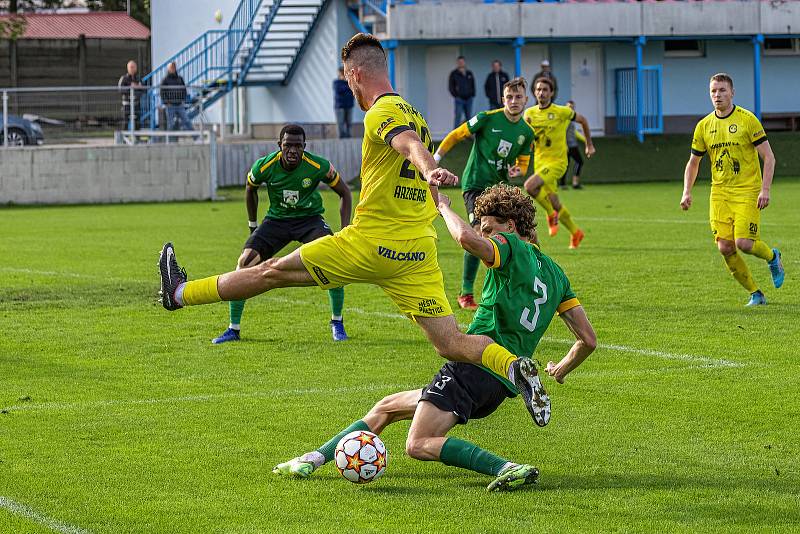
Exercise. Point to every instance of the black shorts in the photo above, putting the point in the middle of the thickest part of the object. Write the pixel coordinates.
(274, 234)
(466, 390)
(470, 196)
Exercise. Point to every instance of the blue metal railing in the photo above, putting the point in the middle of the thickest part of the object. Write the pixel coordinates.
(629, 113)
(258, 39)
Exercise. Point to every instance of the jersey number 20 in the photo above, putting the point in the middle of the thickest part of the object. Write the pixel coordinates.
(524, 320)
(425, 137)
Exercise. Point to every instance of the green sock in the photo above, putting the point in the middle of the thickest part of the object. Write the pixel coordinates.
(470, 272)
(336, 296)
(329, 448)
(237, 308)
(459, 453)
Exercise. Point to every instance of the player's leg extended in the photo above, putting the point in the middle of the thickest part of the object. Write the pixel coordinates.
(747, 222)
(565, 217)
(248, 258)
(390, 409)
(534, 185)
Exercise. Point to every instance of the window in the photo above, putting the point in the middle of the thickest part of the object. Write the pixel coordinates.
(684, 48)
(775, 46)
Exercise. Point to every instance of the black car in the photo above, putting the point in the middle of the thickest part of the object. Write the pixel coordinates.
(22, 131)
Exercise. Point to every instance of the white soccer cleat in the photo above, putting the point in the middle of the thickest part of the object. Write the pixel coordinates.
(294, 468)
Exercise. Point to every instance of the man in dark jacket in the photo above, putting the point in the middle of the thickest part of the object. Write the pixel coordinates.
(494, 85)
(173, 95)
(343, 104)
(126, 81)
(462, 87)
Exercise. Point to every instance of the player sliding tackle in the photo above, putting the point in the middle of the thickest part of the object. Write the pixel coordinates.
(734, 139)
(523, 291)
(391, 243)
(550, 161)
(501, 150)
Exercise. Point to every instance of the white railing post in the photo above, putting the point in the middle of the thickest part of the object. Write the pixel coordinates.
(5, 119)
(131, 111)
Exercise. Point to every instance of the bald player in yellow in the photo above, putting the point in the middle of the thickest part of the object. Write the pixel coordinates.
(734, 139)
(550, 157)
(391, 242)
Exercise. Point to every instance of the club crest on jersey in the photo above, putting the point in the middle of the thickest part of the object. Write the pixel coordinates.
(306, 182)
(290, 198)
(521, 140)
(504, 148)
(551, 115)
(732, 128)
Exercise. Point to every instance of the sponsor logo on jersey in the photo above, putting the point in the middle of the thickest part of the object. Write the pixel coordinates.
(430, 307)
(410, 193)
(320, 275)
(290, 198)
(400, 256)
(732, 128)
(306, 182)
(384, 124)
(504, 148)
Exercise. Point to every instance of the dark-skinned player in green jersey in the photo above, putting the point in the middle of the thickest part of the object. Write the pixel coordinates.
(291, 176)
(523, 291)
(501, 150)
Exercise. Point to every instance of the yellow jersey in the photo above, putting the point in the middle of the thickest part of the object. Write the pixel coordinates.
(550, 125)
(395, 201)
(730, 143)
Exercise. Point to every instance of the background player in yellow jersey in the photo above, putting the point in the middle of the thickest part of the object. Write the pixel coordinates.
(550, 161)
(734, 139)
(391, 242)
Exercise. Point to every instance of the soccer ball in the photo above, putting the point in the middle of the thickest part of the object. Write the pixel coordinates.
(361, 457)
(218, 15)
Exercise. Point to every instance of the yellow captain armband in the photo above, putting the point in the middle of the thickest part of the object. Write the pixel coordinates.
(568, 305)
(335, 180)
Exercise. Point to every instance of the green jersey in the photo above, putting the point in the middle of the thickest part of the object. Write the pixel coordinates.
(523, 291)
(292, 194)
(498, 143)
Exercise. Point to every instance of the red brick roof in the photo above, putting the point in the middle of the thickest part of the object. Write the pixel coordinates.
(95, 25)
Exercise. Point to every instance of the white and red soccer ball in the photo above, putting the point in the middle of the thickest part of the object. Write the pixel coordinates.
(361, 457)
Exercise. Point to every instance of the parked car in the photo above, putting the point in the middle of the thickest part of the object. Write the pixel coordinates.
(22, 131)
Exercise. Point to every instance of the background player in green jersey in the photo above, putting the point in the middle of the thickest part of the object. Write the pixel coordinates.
(291, 177)
(501, 150)
(524, 289)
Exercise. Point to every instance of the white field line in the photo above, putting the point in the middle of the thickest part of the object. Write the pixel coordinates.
(28, 513)
(692, 358)
(204, 398)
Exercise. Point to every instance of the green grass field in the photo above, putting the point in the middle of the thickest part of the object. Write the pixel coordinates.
(118, 416)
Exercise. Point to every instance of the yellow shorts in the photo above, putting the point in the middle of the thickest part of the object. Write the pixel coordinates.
(408, 271)
(551, 173)
(734, 220)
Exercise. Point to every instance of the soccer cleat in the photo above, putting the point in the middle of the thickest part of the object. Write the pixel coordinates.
(576, 238)
(514, 477)
(294, 468)
(577, 186)
(776, 268)
(757, 298)
(525, 376)
(552, 223)
(467, 302)
(337, 329)
(171, 277)
(230, 334)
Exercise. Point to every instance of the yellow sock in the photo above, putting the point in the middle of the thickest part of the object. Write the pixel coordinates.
(497, 358)
(543, 199)
(565, 218)
(761, 250)
(201, 291)
(741, 272)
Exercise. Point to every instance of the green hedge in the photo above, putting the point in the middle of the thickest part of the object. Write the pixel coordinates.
(659, 158)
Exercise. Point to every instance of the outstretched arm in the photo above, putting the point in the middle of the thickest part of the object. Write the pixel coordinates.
(464, 234)
(689, 176)
(586, 341)
(452, 139)
(587, 133)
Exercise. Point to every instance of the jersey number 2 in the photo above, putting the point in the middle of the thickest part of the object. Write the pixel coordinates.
(530, 324)
(405, 171)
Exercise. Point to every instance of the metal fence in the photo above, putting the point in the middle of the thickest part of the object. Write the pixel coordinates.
(91, 115)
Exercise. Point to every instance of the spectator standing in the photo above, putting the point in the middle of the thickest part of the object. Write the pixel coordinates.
(546, 72)
(494, 85)
(574, 136)
(343, 104)
(173, 95)
(462, 88)
(126, 81)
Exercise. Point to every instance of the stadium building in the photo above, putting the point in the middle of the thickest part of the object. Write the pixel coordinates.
(275, 61)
